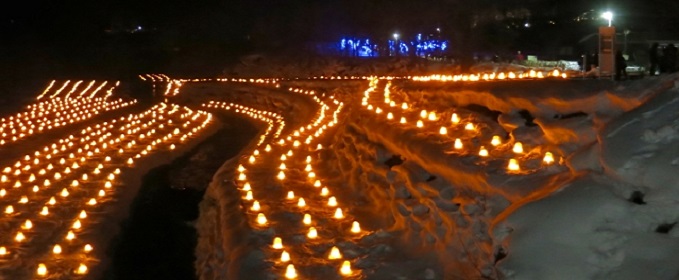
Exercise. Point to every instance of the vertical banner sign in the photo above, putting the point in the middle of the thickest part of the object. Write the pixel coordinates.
(607, 51)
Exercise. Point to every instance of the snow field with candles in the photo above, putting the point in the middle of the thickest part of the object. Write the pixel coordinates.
(411, 181)
(52, 196)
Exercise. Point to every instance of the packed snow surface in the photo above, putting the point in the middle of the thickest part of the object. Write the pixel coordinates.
(605, 208)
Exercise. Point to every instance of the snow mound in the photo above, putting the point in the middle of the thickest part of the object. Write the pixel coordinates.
(616, 218)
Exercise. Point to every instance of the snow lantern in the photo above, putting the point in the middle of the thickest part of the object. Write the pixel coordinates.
(518, 148)
(334, 254)
(277, 243)
(290, 272)
(548, 159)
(346, 268)
(513, 165)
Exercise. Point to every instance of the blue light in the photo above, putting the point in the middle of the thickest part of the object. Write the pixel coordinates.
(400, 45)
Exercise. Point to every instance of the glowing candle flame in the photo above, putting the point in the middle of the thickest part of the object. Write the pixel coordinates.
(443, 130)
(248, 195)
(355, 227)
(469, 126)
(513, 165)
(332, 201)
(44, 211)
(42, 270)
(82, 269)
(432, 116)
(27, 225)
(420, 123)
(277, 243)
(423, 114)
(281, 175)
(458, 144)
(334, 254)
(518, 148)
(20, 237)
(338, 214)
(312, 233)
(403, 120)
(290, 272)
(255, 206)
(88, 248)
(346, 268)
(56, 249)
(291, 195)
(317, 183)
(496, 141)
(3, 251)
(324, 191)
(307, 219)
(455, 119)
(548, 159)
(483, 152)
(301, 202)
(285, 256)
(261, 219)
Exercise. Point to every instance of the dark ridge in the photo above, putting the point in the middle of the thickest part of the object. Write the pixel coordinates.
(431, 178)
(394, 160)
(637, 197)
(500, 254)
(665, 228)
(570, 116)
(528, 117)
(483, 110)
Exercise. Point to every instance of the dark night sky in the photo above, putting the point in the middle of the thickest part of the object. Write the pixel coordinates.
(35, 31)
(299, 19)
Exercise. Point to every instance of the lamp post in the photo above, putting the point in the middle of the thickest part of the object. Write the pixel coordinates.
(608, 15)
(396, 45)
(626, 32)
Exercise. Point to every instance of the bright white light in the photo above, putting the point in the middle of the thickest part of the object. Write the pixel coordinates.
(395, 36)
(608, 15)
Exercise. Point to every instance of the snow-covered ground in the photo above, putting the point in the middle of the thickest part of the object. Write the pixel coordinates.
(605, 209)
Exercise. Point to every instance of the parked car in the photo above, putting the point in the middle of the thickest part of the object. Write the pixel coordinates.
(634, 70)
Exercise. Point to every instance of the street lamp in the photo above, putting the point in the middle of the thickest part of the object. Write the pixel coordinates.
(626, 32)
(608, 15)
(396, 45)
(396, 36)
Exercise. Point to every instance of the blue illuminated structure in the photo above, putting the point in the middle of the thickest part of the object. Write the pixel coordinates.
(418, 46)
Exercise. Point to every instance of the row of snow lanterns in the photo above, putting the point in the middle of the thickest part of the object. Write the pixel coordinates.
(455, 120)
(494, 76)
(52, 114)
(315, 129)
(154, 77)
(172, 88)
(88, 149)
(271, 118)
(85, 93)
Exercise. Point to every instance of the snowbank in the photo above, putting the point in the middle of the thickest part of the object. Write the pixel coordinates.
(606, 211)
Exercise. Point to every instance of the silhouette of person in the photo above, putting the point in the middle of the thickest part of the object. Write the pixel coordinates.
(670, 58)
(653, 59)
(620, 66)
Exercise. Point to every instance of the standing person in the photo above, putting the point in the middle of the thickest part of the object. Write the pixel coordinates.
(653, 59)
(620, 66)
(670, 56)
(519, 57)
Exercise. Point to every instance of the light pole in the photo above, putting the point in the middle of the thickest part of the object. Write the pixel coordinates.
(625, 45)
(396, 45)
(608, 15)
